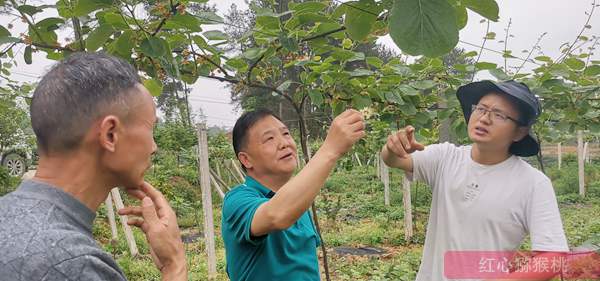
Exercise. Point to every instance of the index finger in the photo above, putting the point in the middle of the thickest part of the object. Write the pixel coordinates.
(159, 200)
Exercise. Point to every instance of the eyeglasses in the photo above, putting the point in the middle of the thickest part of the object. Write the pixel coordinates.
(480, 111)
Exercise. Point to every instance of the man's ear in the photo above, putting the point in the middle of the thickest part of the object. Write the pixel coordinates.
(521, 133)
(110, 129)
(245, 160)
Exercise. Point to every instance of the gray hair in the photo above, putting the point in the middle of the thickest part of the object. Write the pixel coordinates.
(74, 93)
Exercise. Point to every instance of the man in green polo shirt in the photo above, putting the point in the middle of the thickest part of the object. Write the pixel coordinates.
(268, 233)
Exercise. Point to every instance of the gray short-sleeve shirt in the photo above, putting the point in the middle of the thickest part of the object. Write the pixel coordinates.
(46, 234)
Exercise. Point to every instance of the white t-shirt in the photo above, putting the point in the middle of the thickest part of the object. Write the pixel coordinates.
(479, 207)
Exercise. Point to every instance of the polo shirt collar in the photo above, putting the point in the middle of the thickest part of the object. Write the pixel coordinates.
(251, 182)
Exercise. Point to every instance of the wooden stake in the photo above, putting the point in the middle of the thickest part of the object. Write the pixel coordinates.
(110, 212)
(209, 227)
(238, 170)
(217, 187)
(580, 163)
(559, 155)
(116, 196)
(385, 178)
(408, 220)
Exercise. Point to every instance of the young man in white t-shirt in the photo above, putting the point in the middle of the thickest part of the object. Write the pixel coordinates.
(485, 197)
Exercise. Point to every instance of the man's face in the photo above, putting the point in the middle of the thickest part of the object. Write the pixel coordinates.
(488, 127)
(136, 141)
(269, 149)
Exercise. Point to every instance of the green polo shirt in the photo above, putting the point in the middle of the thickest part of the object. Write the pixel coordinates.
(287, 255)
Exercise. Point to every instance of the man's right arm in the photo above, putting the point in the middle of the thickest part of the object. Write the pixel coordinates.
(396, 151)
(296, 196)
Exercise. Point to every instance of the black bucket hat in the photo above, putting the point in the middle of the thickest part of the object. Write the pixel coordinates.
(528, 104)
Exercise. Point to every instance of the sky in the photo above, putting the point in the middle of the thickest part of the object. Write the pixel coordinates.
(562, 20)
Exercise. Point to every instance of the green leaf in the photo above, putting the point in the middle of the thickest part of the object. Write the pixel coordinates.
(408, 109)
(423, 27)
(49, 24)
(27, 55)
(592, 70)
(338, 107)
(28, 9)
(47, 37)
(4, 32)
(116, 21)
(394, 97)
(267, 22)
(154, 47)
(408, 90)
(8, 39)
(185, 21)
(499, 74)
(307, 7)
(98, 37)
(461, 16)
(316, 97)
(361, 72)
(544, 59)
(252, 53)
(575, 64)
(284, 86)
(215, 35)
(206, 17)
(288, 43)
(486, 8)
(360, 17)
(238, 64)
(154, 86)
(423, 84)
(123, 44)
(360, 101)
(85, 7)
(485, 65)
(374, 61)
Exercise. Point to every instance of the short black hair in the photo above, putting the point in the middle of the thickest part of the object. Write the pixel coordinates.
(244, 124)
(74, 93)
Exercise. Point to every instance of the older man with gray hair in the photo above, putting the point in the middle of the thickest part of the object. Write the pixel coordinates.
(93, 121)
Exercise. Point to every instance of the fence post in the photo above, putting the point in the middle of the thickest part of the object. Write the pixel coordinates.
(204, 171)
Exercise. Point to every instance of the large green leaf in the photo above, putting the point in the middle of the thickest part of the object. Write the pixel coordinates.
(360, 17)
(208, 17)
(116, 21)
(575, 64)
(85, 7)
(423, 27)
(124, 44)
(423, 84)
(186, 21)
(215, 35)
(45, 36)
(154, 47)
(315, 97)
(461, 16)
(98, 37)
(28, 9)
(486, 8)
(49, 24)
(307, 7)
(592, 70)
(154, 86)
(499, 74)
(360, 101)
(4, 32)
